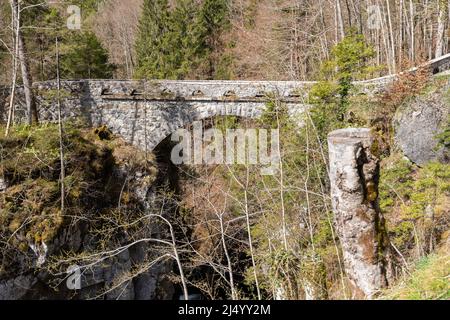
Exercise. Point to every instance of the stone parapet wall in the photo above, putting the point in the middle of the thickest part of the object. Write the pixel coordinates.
(144, 113)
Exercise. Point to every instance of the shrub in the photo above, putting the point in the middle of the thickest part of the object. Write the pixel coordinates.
(415, 201)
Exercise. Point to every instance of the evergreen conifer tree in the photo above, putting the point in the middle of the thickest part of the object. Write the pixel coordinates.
(174, 42)
(85, 58)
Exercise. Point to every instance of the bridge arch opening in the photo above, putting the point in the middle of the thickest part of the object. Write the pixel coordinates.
(171, 117)
(186, 181)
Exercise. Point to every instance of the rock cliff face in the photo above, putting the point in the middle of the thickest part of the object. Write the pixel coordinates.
(26, 263)
(147, 286)
(417, 124)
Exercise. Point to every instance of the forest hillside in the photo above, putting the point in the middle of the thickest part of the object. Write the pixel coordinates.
(356, 204)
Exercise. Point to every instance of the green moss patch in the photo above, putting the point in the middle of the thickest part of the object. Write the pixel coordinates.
(30, 207)
(415, 201)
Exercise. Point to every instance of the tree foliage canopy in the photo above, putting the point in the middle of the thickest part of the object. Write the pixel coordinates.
(84, 57)
(175, 40)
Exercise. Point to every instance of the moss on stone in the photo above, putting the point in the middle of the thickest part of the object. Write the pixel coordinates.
(414, 198)
(30, 212)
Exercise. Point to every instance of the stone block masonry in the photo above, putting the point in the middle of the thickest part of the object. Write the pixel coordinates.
(146, 112)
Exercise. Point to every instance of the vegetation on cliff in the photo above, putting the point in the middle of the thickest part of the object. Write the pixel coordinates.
(427, 280)
(99, 196)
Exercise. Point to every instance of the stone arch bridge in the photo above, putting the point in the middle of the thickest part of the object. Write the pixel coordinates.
(146, 112)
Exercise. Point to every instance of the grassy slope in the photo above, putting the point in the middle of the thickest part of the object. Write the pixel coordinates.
(429, 280)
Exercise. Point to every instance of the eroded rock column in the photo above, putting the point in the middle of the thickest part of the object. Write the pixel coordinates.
(354, 175)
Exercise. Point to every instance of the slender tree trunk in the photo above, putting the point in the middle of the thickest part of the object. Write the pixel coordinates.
(340, 19)
(250, 240)
(413, 42)
(349, 13)
(360, 18)
(227, 255)
(400, 33)
(32, 115)
(442, 21)
(323, 38)
(178, 260)
(427, 40)
(61, 142)
(385, 42)
(15, 22)
(391, 36)
(283, 210)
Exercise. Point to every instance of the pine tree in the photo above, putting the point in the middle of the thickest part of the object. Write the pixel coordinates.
(84, 57)
(153, 27)
(348, 63)
(331, 95)
(176, 42)
(39, 24)
(211, 20)
(83, 49)
(4, 54)
(82, 53)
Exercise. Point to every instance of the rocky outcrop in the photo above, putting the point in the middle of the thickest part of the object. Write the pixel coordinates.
(17, 288)
(354, 175)
(418, 123)
(149, 284)
(35, 269)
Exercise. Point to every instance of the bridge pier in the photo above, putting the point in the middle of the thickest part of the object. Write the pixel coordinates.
(354, 175)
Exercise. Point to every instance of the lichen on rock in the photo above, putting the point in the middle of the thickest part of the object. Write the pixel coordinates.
(417, 125)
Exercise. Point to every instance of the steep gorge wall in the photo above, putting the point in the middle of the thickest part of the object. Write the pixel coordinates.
(108, 167)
